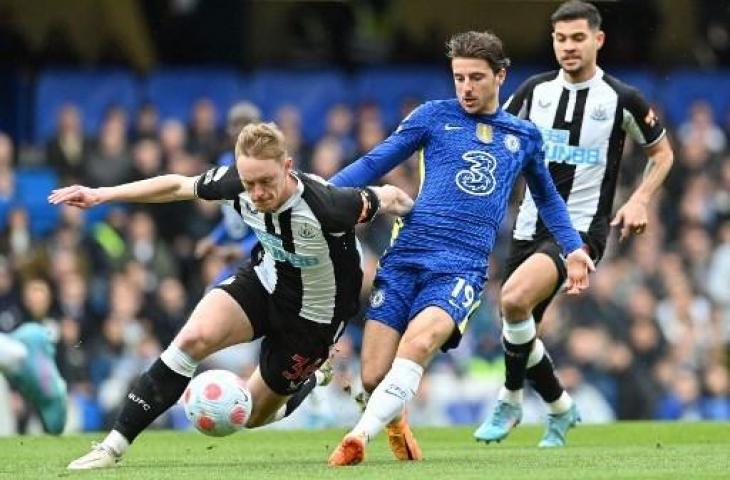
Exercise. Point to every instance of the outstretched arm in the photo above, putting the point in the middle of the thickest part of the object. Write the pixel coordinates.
(632, 216)
(161, 189)
(400, 145)
(345, 207)
(393, 200)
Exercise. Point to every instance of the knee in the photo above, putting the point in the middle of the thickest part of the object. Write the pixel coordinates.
(194, 341)
(420, 348)
(514, 303)
(371, 379)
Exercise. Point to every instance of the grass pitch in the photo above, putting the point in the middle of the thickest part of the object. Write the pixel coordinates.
(620, 451)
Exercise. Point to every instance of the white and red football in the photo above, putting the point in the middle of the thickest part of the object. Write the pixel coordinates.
(217, 403)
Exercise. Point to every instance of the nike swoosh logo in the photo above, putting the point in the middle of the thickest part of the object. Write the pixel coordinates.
(448, 126)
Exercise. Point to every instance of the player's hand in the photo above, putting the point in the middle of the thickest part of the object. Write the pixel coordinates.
(579, 265)
(393, 200)
(632, 218)
(76, 196)
(204, 246)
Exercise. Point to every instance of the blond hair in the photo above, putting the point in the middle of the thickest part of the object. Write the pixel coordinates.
(262, 141)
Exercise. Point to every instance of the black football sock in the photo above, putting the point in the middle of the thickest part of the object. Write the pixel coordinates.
(298, 397)
(515, 362)
(155, 391)
(543, 379)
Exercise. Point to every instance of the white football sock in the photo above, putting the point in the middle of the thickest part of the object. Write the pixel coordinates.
(521, 332)
(388, 399)
(513, 397)
(561, 405)
(536, 354)
(12, 354)
(117, 442)
(179, 361)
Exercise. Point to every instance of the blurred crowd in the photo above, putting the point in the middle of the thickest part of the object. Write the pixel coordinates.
(649, 340)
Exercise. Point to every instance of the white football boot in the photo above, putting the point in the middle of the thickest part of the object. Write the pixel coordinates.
(100, 456)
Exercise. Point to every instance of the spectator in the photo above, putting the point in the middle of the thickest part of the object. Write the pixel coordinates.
(68, 150)
(701, 127)
(110, 163)
(203, 137)
(146, 123)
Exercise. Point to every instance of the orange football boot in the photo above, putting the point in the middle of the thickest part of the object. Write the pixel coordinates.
(350, 451)
(401, 440)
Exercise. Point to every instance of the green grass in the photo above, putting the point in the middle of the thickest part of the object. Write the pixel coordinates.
(626, 450)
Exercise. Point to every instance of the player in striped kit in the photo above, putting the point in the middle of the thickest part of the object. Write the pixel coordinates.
(584, 115)
(301, 287)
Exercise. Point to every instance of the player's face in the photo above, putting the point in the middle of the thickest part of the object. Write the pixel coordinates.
(265, 180)
(477, 86)
(576, 46)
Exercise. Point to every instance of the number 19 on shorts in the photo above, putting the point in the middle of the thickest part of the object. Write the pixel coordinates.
(462, 295)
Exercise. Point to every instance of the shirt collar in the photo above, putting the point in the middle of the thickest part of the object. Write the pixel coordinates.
(597, 76)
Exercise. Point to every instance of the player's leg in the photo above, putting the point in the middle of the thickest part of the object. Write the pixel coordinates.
(289, 369)
(390, 306)
(562, 411)
(379, 346)
(12, 354)
(531, 282)
(268, 405)
(218, 321)
(439, 313)
(27, 357)
(426, 333)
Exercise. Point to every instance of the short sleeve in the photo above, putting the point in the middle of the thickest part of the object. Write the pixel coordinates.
(340, 208)
(219, 183)
(639, 119)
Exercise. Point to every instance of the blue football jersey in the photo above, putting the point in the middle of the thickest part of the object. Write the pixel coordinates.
(469, 164)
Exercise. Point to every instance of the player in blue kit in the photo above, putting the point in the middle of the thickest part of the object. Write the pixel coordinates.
(432, 276)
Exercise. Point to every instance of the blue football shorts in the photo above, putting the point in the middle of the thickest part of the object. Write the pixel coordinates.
(401, 292)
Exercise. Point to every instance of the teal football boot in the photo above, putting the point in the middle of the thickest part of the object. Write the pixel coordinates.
(38, 379)
(504, 418)
(558, 425)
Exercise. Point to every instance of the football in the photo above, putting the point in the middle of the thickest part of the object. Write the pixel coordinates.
(217, 403)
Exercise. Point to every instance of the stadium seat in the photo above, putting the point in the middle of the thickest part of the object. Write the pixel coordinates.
(312, 92)
(174, 91)
(684, 87)
(92, 91)
(33, 187)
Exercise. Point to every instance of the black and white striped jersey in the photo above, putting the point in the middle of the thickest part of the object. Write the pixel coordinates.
(311, 262)
(583, 128)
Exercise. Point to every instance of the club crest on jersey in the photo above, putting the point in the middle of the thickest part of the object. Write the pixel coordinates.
(377, 298)
(512, 143)
(599, 113)
(307, 231)
(484, 133)
(479, 178)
